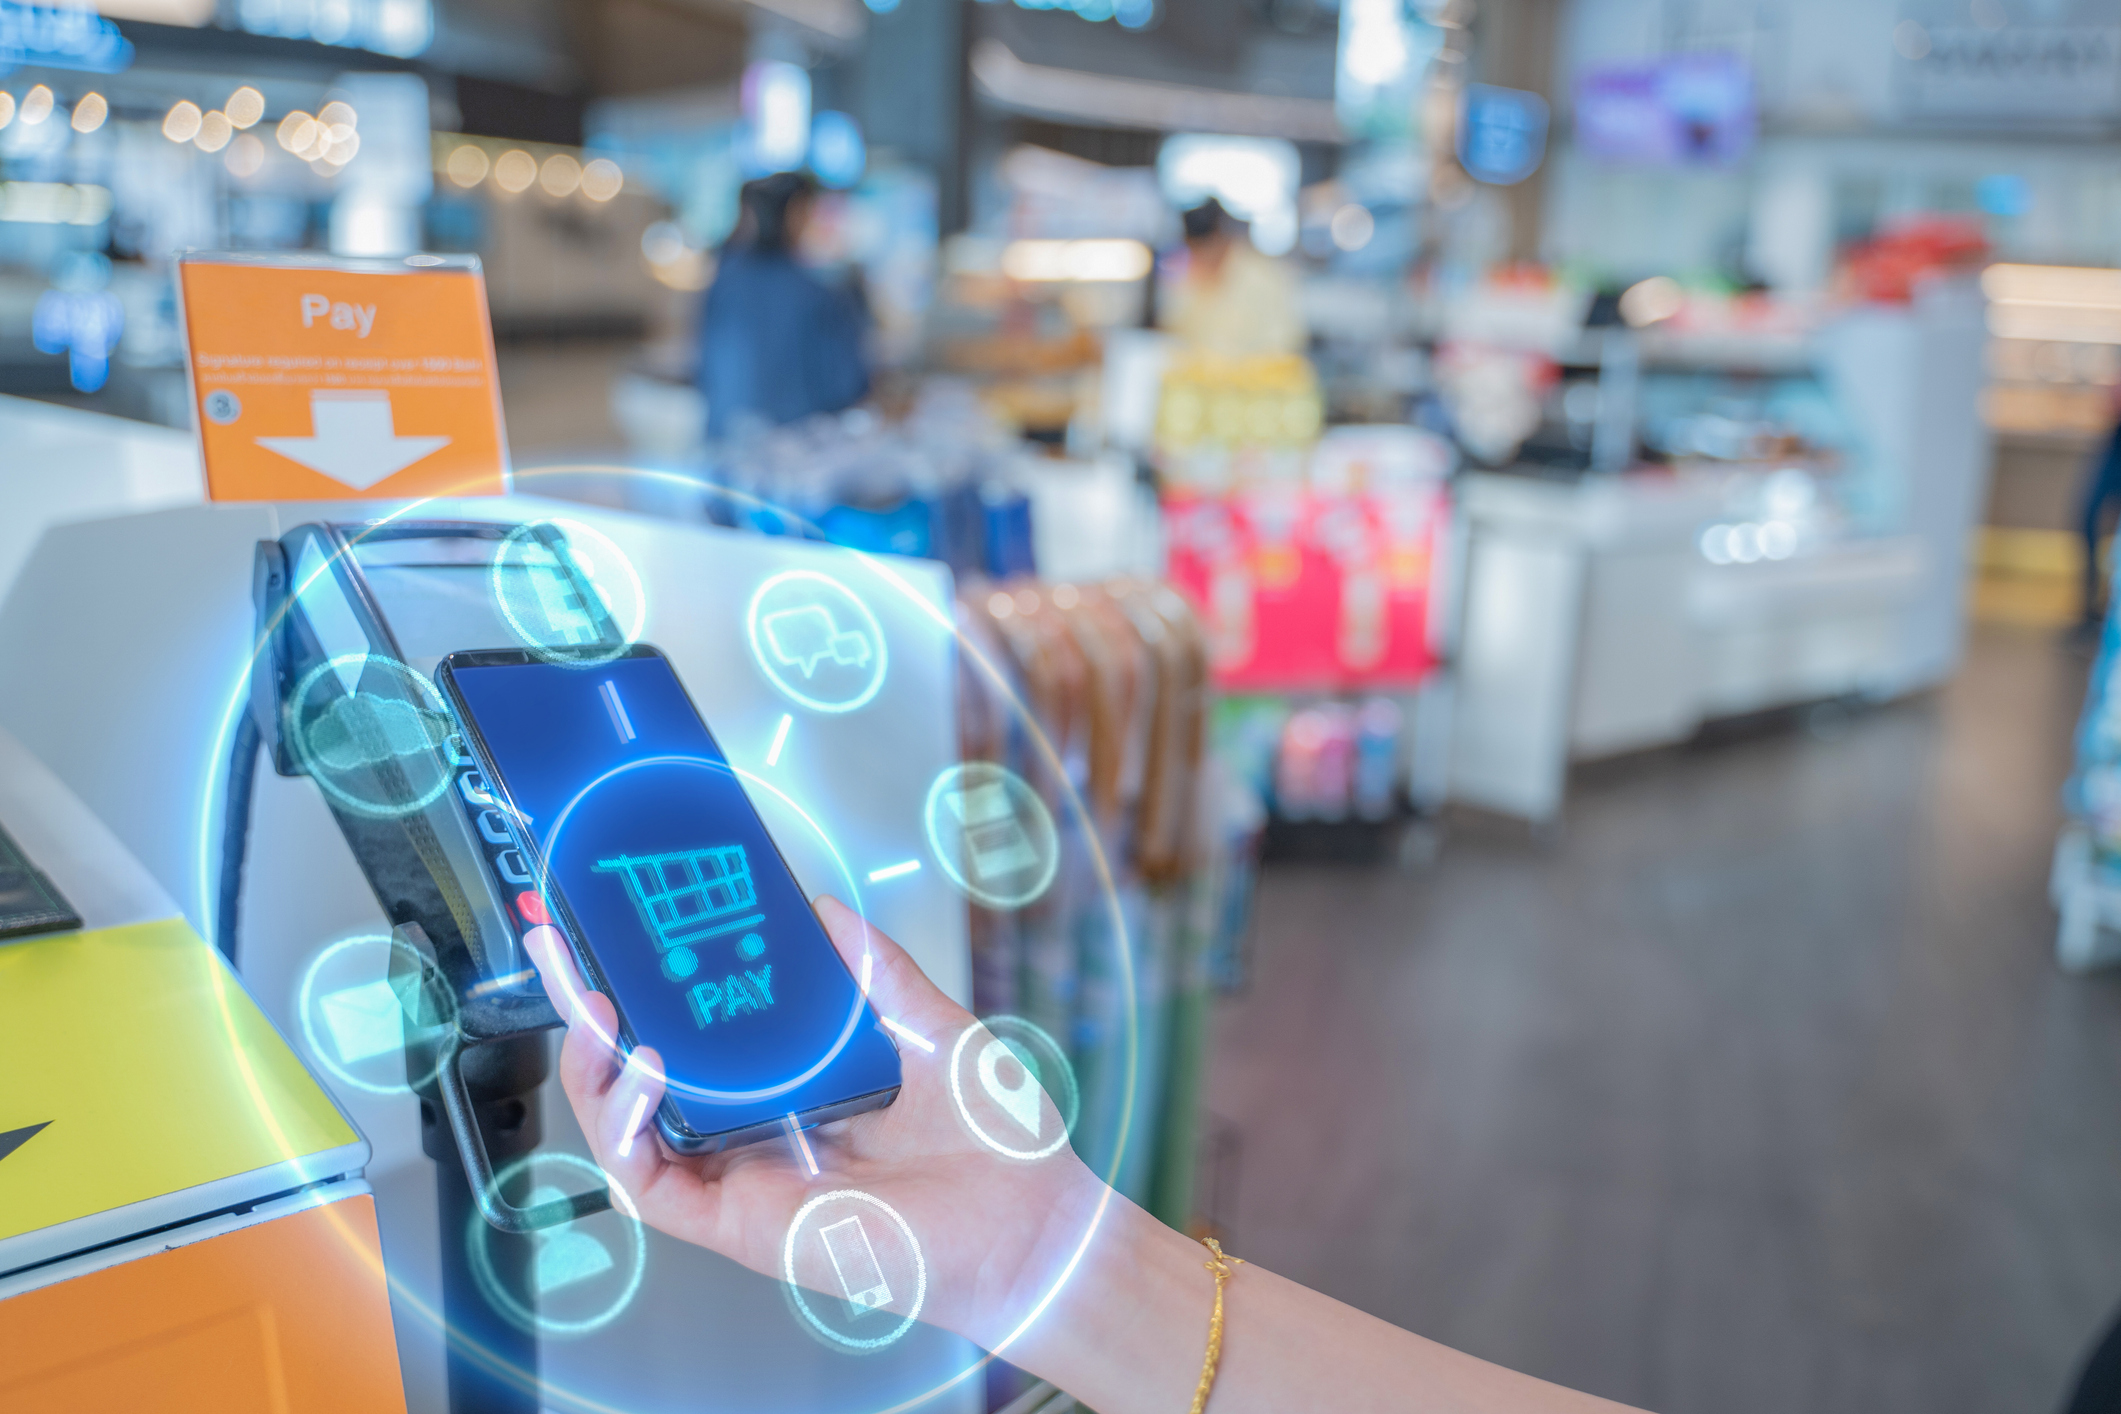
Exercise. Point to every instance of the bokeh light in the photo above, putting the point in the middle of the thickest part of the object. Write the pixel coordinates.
(90, 113)
(514, 171)
(468, 164)
(244, 107)
(602, 180)
(181, 123)
(560, 175)
(214, 131)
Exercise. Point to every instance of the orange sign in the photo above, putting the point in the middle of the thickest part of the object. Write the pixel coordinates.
(321, 382)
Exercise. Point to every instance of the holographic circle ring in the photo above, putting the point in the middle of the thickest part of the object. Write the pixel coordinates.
(816, 641)
(850, 1259)
(571, 1268)
(858, 591)
(1017, 1067)
(992, 834)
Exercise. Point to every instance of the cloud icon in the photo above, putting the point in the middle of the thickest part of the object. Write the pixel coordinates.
(367, 729)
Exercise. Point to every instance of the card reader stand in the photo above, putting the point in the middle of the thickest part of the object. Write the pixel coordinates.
(446, 873)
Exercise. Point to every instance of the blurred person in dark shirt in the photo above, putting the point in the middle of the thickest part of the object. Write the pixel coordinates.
(777, 343)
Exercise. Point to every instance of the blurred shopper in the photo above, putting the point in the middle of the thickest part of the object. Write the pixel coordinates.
(1232, 302)
(2101, 489)
(777, 343)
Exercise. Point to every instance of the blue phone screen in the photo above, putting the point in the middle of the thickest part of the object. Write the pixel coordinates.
(705, 939)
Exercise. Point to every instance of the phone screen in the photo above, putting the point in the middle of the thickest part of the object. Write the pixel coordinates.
(651, 847)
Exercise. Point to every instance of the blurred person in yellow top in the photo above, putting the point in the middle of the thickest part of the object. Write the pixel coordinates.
(1232, 302)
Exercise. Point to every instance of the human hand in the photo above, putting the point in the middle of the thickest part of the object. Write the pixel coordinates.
(993, 1230)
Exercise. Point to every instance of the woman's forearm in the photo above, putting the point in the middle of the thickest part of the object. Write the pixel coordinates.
(1127, 1333)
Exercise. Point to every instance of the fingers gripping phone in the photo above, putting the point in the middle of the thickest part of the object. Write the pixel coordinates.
(677, 904)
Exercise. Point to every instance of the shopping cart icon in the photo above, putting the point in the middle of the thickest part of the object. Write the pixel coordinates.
(690, 896)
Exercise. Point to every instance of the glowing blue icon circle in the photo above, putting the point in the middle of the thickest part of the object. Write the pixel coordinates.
(992, 835)
(1019, 1102)
(357, 733)
(802, 1303)
(801, 619)
(366, 1021)
(853, 899)
(541, 604)
(527, 1319)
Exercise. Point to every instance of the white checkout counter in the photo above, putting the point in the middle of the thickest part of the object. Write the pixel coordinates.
(1594, 624)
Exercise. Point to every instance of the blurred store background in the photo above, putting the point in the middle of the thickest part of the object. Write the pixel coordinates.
(1630, 474)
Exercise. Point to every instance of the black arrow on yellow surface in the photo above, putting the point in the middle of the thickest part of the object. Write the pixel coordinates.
(13, 1139)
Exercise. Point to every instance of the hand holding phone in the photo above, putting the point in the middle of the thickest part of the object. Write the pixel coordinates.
(995, 1232)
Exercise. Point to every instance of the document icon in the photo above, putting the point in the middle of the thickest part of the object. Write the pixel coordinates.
(364, 1021)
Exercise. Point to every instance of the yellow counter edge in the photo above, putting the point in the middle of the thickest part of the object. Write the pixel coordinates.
(140, 1067)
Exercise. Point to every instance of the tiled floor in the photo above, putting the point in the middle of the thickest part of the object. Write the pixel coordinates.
(1756, 1090)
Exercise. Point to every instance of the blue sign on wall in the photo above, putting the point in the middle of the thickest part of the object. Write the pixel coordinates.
(1502, 134)
(60, 37)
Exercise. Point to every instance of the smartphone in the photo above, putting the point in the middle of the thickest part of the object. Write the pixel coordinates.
(854, 1261)
(650, 857)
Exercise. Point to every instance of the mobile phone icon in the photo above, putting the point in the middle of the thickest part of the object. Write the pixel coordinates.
(847, 1244)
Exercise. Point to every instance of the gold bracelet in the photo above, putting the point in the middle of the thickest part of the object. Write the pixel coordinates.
(1221, 1268)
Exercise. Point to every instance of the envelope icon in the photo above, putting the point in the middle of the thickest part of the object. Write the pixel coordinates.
(364, 1021)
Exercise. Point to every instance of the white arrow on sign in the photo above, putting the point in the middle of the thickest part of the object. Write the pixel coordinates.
(353, 439)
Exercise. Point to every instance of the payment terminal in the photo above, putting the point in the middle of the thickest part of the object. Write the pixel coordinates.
(351, 621)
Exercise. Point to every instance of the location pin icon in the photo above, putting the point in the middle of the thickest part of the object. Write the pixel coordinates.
(1019, 1100)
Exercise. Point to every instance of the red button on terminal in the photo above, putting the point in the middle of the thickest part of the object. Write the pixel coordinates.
(532, 907)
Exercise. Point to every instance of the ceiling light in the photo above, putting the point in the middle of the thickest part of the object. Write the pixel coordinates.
(468, 165)
(295, 130)
(560, 175)
(214, 131)
(181, 123)
(514, 170)
(602, 180)
(1038, 261)
(244, 107)
(90, 113)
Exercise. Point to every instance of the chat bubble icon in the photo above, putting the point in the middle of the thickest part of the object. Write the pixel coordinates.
(806, 636)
